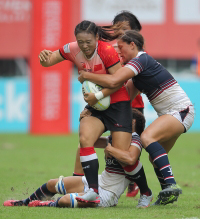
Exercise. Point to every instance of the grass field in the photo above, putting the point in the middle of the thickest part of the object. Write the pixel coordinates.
(26, 162)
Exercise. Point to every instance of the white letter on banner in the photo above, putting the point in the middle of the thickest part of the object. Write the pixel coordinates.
(14, 103)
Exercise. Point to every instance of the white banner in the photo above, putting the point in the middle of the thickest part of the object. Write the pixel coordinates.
(187, 11)
(103, 11)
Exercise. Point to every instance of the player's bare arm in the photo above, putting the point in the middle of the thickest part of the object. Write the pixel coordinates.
(124, 157)
(49, 58)
(108, 80)
(101, 142)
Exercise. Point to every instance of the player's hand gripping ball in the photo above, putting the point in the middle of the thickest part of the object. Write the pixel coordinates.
(90, 87)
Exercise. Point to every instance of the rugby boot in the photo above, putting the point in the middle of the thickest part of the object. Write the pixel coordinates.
(89, 197)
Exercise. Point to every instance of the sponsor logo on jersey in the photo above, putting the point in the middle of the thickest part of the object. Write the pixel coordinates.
(66, 48)
(111, 161)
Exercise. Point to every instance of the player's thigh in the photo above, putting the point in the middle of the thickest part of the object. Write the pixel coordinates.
(121, 140)
(91, 128)
(162, 129)
(73, 184)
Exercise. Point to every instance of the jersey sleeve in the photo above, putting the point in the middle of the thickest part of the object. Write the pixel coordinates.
(69, 51)
(108, 55)
(136, 142)
(135, 65)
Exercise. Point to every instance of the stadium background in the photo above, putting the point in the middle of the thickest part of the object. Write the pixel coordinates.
(49, 100)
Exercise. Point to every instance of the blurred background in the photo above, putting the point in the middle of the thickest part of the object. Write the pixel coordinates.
(49, 100)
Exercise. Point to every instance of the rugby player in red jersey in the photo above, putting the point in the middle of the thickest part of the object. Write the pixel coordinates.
(91, 53)
(131, 23)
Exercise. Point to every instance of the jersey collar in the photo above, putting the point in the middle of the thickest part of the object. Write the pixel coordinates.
(140, 53)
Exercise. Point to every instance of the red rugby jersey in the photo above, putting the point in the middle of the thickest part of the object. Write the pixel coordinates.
(103, 58)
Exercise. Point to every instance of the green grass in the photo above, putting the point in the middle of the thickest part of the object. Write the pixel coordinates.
(28, 161)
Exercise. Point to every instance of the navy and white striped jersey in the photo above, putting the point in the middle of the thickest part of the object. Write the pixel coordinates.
(151, 77)
(113, 178)
(160, 87)
(135, 141)
(113, 166)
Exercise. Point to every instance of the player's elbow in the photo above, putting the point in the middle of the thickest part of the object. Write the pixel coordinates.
(128, 161)
(132, 160)
(114, 83)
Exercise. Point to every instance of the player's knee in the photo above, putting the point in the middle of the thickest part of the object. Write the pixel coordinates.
(84, 140)
(146, 139)
(51, 185)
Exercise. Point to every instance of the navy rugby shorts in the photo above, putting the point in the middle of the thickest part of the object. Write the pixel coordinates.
(118, 116)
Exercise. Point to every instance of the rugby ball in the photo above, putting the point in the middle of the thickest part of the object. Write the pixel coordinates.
(90, 87)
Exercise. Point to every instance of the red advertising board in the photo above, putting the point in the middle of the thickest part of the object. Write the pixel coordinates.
(178, 36)
(50, 87)
(15, 28)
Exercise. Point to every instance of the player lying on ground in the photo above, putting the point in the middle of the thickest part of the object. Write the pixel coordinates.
(112, 182)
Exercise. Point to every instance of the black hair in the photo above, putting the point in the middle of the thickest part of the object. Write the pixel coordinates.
(133, 36)
(140, 121)
(128, 16)
(91, 27)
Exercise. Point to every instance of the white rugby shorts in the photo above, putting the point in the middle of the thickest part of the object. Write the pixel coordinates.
(185, 116)
(107, 198)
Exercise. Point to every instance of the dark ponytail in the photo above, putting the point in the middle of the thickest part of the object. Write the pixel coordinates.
(105, 34)
(131, 18)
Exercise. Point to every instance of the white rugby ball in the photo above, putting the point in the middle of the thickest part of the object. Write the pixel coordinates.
(90, 87)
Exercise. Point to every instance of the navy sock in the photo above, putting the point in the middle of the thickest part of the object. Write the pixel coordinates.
(136, 174)
(160, 159)
(160, 178)
(40, 194)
